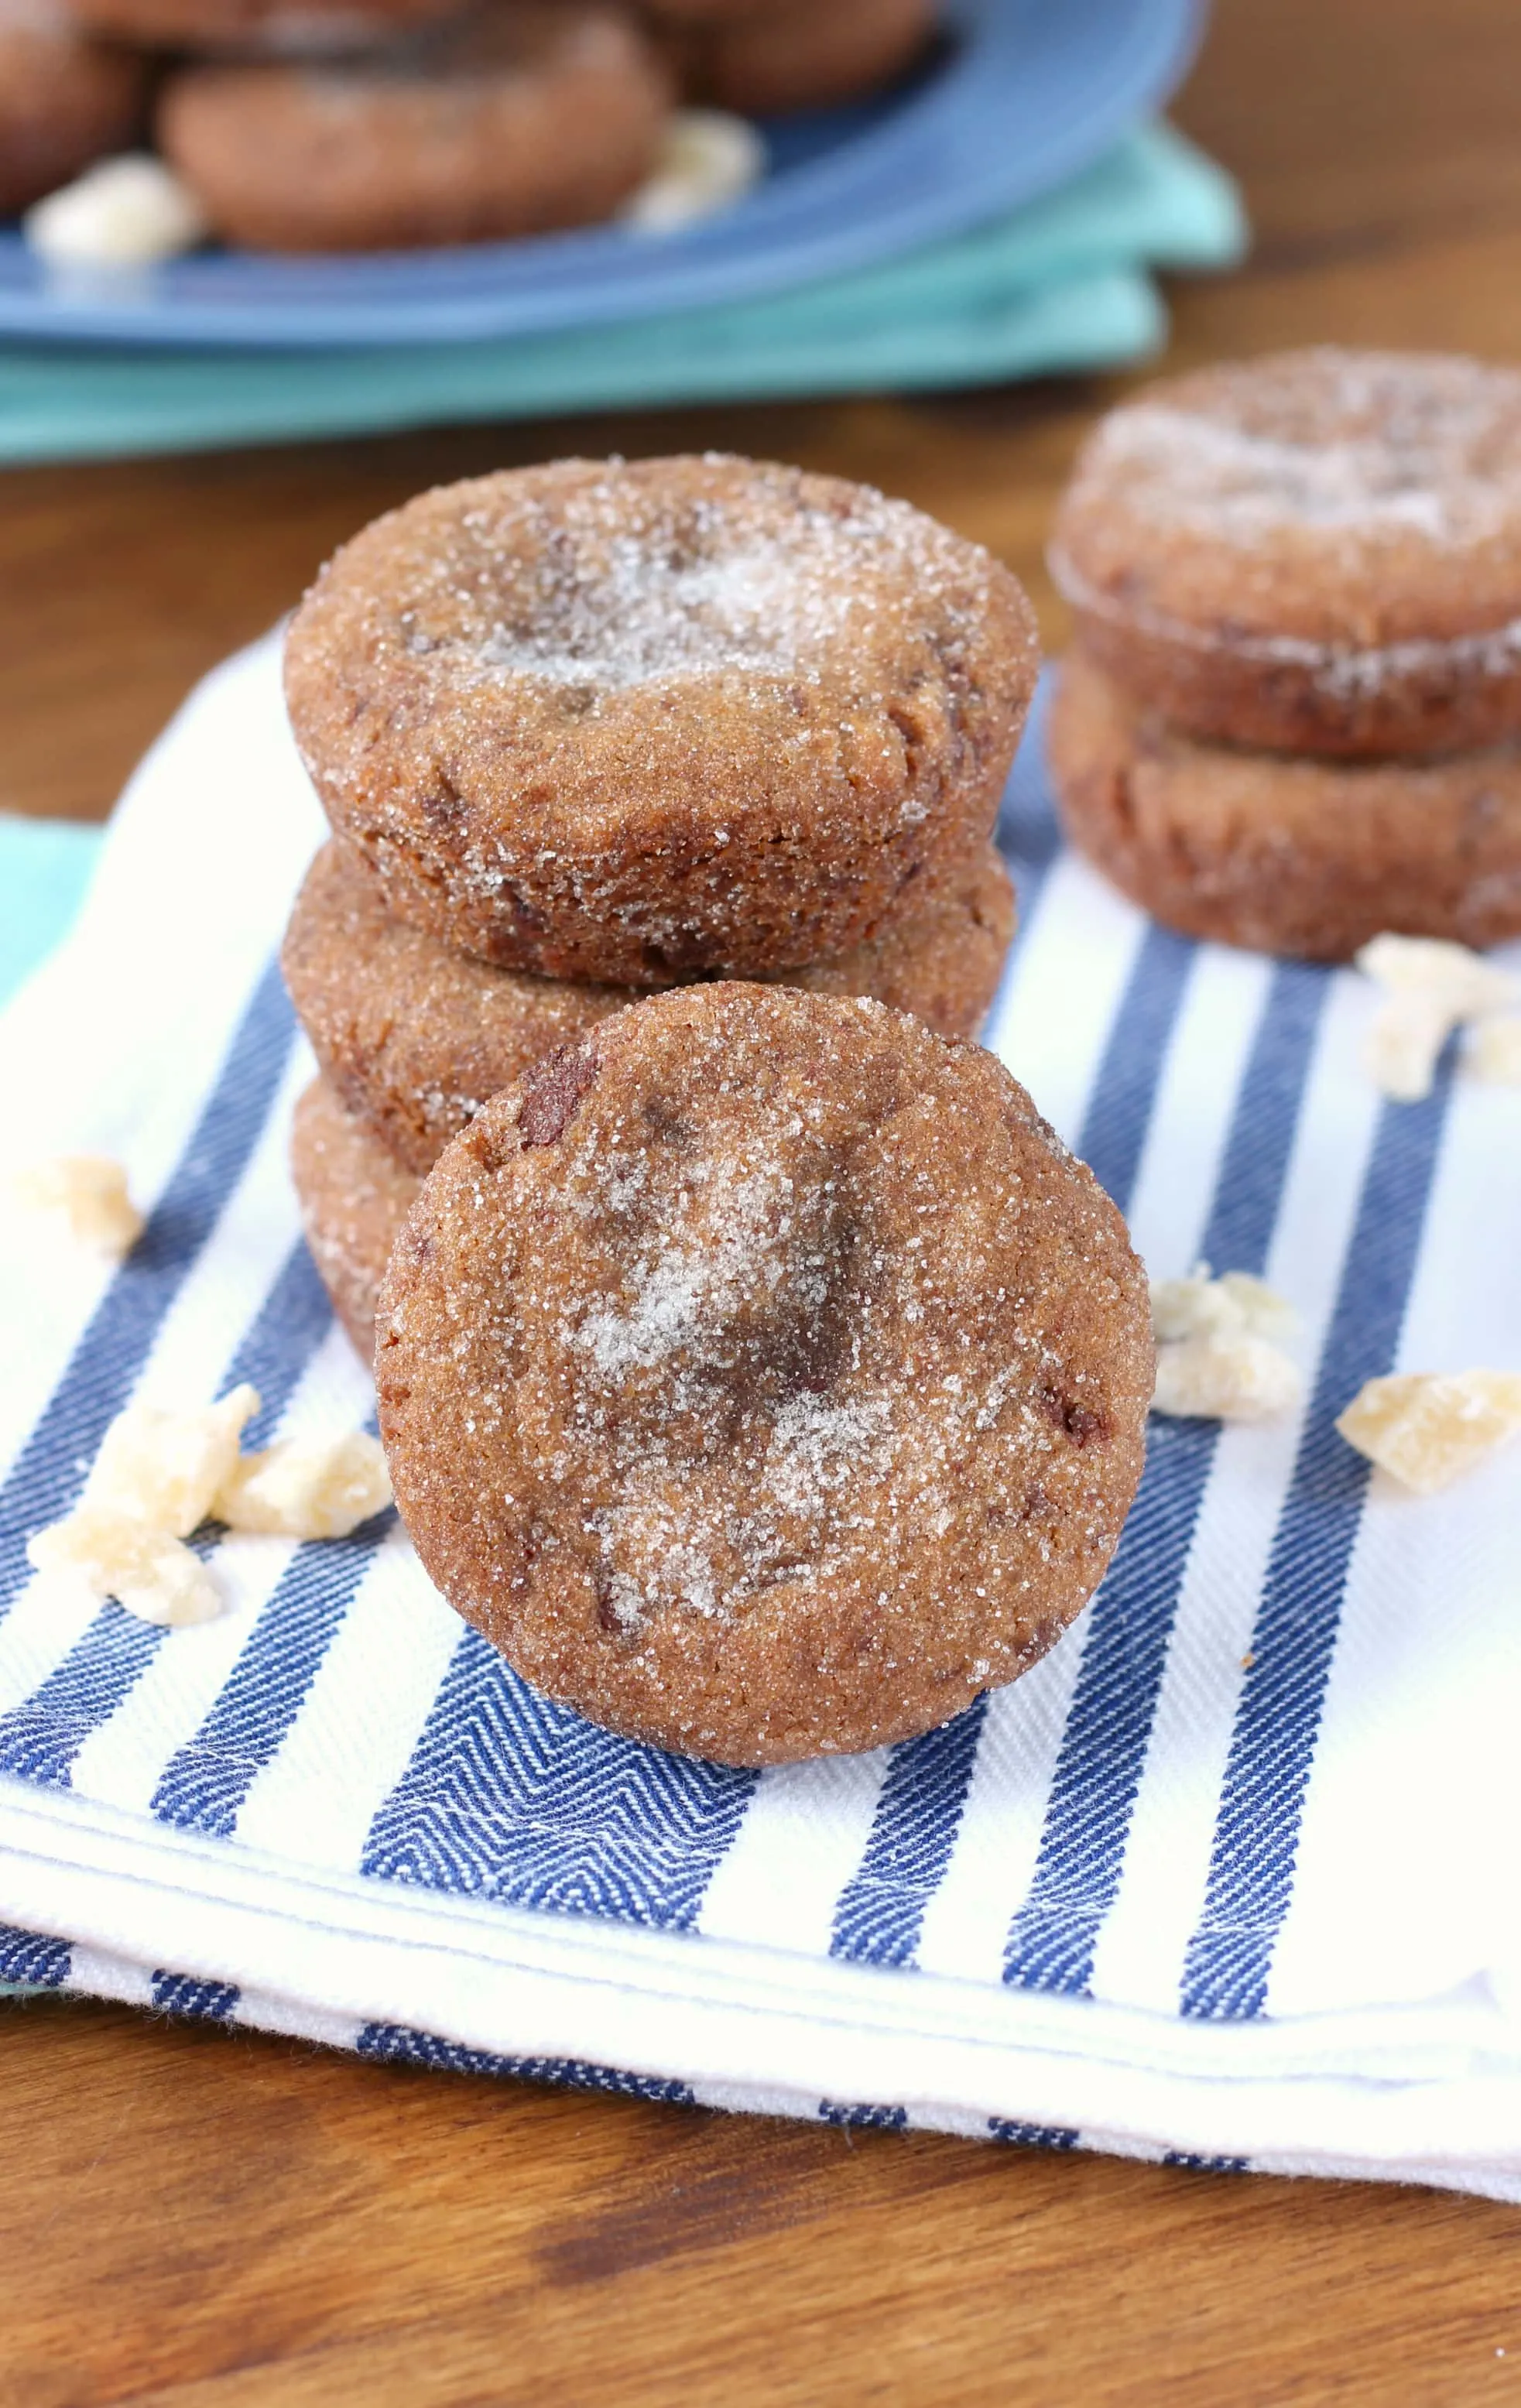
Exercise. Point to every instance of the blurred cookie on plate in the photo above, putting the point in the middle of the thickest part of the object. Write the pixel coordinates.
(65, 101)
(522, 120)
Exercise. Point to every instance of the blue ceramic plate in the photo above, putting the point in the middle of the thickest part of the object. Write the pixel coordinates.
(1023, 95)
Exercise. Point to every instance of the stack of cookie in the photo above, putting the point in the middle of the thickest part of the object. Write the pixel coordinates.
(592, 729)
(1292, 718)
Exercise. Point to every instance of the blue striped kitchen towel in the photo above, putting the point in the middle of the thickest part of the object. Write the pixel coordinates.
(1228, 1878)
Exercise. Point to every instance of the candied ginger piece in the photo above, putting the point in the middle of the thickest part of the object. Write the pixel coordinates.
(1263, 1311)
(149, 1573)
(88, 1193)
(1191, 1307)
(1459, 982)
(1493, 1052)
(1429, 1427)
(130, 211)
(166, 1468)
(307, 1488)
(1201, 1306)
(1433, 988)
(708, 161)
(1404, 1045)
(1230, 1376)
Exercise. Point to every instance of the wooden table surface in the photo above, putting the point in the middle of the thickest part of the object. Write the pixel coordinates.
(195, 2216)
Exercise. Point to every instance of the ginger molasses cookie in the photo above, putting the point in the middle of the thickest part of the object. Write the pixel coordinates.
(762, 63)
(712, 12)
(257, 28)
(523, 118)
(413, 1037)
(1319, 551)
(1287, 855)
(762, 1375)
(65, 101)
(639, 721)
(353, 1199)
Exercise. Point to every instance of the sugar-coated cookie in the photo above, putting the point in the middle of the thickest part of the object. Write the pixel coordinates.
(1319, 551)
(1287, 856)
(763, 1376)
(260, 28)
(636, 722)
(765, 63)
(353, 1198)
(523, 120)
(414, 1036)
(65, 101)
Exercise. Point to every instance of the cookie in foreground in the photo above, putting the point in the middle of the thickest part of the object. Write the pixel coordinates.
(763, 1376)
(641, 721)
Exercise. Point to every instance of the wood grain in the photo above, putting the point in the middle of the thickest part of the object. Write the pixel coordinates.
(224, 2220)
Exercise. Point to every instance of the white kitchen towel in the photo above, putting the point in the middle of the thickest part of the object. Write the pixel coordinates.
(1228, 1878)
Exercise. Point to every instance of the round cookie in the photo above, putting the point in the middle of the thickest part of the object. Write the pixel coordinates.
(353, 1199)
(690, 13)
(414, 1036)
(255, 28)
(65, 101)
(763, 1376)
(1285, 855)
(767, 64)
(1319, 551)
(641, 721)
(519, 122)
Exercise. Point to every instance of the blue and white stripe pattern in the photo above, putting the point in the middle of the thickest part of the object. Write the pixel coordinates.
(1192, 1833)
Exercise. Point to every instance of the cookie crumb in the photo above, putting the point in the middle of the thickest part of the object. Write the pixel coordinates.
(1427, 1428)
(166, 1470)
(307, 1488)
(1433, 987)
(150, 1573)
(88, 1195)
(1492, 1052)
